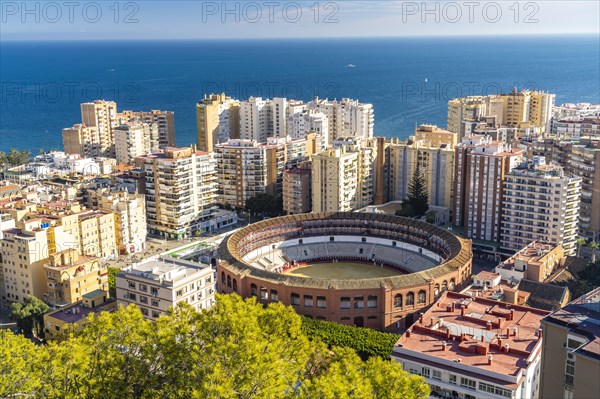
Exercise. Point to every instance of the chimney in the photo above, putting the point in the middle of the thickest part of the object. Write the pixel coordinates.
(444, 347)
(407, 334)
(488, 325)
(421, 318)
(507, 332)
(540, 331)
(515, 329)
(462, 310)
(507, 347)
(490, 357)
(447, 334)
(452, 306)
(512, 314)
(482, 337)
(500, 344)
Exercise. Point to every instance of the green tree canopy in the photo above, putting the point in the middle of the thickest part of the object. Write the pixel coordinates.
(264, 203)
(416, 203)
(237, 349)
(29, 315)
(14, 157)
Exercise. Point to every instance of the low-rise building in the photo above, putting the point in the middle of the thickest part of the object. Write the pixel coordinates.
(571, 350)
(155, 285)
(70, 276)
(75, 316)
(470, 348)
(535, 262)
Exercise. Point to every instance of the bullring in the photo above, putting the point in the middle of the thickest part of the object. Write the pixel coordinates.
(420, 261)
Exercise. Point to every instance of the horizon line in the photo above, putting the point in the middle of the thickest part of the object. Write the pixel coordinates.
(261, 38)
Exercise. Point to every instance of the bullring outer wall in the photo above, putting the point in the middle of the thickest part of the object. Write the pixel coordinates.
(381, 297)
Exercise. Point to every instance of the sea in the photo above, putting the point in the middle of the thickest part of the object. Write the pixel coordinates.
(408, 80)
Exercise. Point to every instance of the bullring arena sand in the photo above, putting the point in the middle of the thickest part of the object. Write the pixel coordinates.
(343, 271)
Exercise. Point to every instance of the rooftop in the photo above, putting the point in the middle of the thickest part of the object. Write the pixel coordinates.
(165, 269)
(77, 312)
(467, 330)
(582, 316)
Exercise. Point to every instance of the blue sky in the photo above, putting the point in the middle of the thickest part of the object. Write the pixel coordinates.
(149, 19)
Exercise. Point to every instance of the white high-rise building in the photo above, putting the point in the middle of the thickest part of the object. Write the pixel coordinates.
(308, 121)
(256, 119)
(347, 118)
(540, 203)
(181, 191)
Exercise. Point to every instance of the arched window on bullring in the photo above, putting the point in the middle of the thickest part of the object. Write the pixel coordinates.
(422, 297)
(398, 301)
(410, 299)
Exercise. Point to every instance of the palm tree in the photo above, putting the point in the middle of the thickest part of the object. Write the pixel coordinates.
(594, 246)
(580, 243)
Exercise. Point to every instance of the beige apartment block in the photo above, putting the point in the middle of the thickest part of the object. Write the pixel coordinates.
(82, 140)
(24, 255)
(465, 109)
(156, 285)
(433, 154)
(433, 136)
(218, 120)
(133, 140)
(164, 121)
(335, 180)
(246, 168)
(540, 203)
(102, 115)
(181, 191)
(70, 276)
(480, 168)
(571, 350)
(130, 219)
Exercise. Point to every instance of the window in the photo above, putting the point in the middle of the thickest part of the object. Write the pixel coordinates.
(345, 302)
(264, 294)
(372, 301)
(143, 299)
(274, 296)
(452, 379)
(495, 390)
(425, 372)
(308, 300)
(437, 375)
(208, 280)
(229, 281)
(345, 318)
(321, 302)
(143, 287)
(436, 291)
(154, 302)
(570, 371)
(295, 299)
(359, 302)
(410, 299)
(144, 311)
(422, 297)
(467, 383)
(331, 239)
(235, 285)
(178, 293)
(397, 301)
(154, 290)
(253, 289)
(132, 296)
(372, 318)
(155, 314)
(131, 284)
(223, 278)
